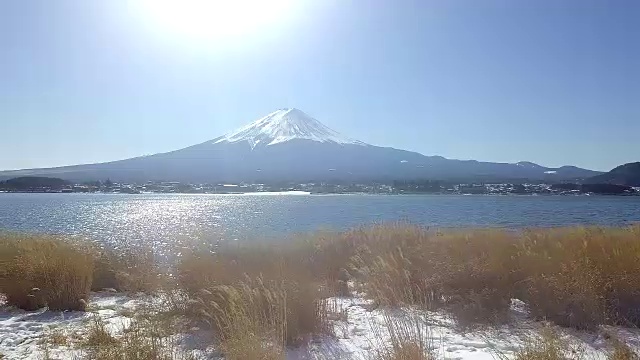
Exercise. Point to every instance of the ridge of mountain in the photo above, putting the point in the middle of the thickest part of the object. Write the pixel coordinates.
(626, 174)
(289, 145)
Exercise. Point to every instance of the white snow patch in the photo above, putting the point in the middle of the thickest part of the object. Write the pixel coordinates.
(550, 172)
(358, 330)
(23, 333)
(527, 164)
(361, 333)
(285, 125)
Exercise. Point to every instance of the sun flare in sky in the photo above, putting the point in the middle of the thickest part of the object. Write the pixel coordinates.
(216, 20)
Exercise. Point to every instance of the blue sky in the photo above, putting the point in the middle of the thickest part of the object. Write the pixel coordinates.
(554, 82)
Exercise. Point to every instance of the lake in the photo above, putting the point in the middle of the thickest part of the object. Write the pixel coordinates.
(163, 218)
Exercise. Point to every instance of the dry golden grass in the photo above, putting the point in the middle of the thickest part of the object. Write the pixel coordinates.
(621, 351)
(320, 259)
(406, 351)
(582, 277)
(37, 271)
(548, 347)
(41, 270)
(98, 335)
(257, 299)
(57, 337)
(145, 339)
(132, 270)
(470, 273)
(274, 293)
(409, 337)
(578, 277)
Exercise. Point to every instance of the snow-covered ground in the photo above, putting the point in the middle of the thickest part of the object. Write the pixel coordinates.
(359, 332)
(363, 332)
(22, 333)
(27, 335)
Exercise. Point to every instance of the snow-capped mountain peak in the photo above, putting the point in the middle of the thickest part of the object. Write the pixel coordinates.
(285, 125)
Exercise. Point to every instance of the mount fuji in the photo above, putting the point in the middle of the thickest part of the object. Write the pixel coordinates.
(285, 125)
(289, 145)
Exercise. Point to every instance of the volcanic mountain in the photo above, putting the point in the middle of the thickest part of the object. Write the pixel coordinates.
(289, 145)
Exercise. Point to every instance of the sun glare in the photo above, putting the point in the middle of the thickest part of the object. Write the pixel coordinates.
(216, 19)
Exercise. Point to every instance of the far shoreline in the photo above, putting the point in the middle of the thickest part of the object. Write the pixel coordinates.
(308, 193)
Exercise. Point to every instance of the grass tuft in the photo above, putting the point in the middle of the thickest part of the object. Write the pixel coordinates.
(621, 351)
(148, 337)
(98, 335)
(582, 277)
(57, 337)
(265, 296)
(409, 337)
(549, 346)
(38, 271)
(131, 270)
(576, 277)
(41, 270)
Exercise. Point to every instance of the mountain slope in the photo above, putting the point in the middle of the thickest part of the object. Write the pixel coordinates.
(289, 145)
(627, 174)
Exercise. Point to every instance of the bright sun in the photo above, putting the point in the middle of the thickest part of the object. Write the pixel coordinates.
(216, 19)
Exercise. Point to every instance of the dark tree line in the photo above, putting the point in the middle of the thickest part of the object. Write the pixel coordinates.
(419, 186)
(32, 183)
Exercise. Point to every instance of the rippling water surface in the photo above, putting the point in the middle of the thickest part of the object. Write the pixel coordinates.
(161, 219)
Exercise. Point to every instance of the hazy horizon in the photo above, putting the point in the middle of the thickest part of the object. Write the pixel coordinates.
(555, 83)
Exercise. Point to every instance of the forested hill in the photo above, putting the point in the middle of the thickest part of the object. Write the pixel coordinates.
(33, 183)
(627, 174)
